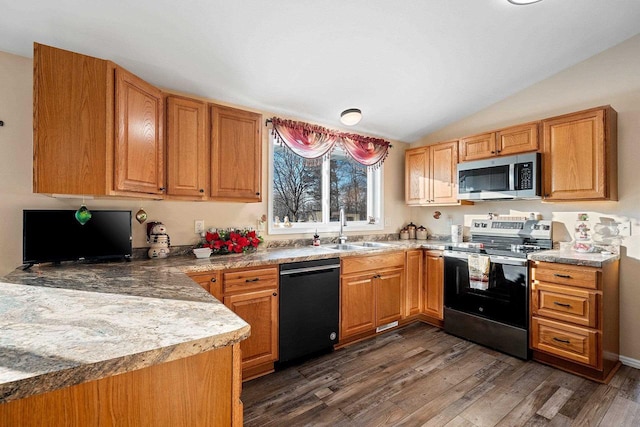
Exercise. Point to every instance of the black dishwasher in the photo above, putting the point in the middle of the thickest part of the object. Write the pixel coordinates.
(309, 308)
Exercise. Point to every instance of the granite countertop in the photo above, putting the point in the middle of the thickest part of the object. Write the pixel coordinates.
(70, 324)
(574, 258)
(73, 323)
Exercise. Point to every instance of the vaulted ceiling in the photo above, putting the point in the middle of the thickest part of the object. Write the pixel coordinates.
(412, 66)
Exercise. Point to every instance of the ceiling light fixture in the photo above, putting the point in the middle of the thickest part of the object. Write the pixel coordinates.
(351, 117)
(523, 2)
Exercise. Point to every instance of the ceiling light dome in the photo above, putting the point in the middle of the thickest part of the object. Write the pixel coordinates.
(522, 2)
(351, 117)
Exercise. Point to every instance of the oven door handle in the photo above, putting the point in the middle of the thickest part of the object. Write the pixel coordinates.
(496, 259)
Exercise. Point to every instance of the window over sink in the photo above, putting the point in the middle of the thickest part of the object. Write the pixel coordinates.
(310, 194)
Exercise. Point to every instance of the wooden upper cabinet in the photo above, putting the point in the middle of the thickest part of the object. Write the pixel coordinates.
(187, 148)
(72, 122)
(416, 176)
(514, 140)
(139, 144)
(97, 128)
(580, 156)
(517, 139)
(236, 159)
(430, 174)
(478, 147)
(443, 162)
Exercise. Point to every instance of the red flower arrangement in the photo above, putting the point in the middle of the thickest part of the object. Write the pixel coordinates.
(232, 241)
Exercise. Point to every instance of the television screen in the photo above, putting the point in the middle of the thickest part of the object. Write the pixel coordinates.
(56, 235)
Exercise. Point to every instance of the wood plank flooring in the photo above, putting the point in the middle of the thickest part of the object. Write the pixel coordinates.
(420, 376)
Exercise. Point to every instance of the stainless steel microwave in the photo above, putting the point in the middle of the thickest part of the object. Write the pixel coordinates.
(508, 177)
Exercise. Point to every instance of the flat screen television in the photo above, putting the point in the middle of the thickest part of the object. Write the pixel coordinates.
(56, 235)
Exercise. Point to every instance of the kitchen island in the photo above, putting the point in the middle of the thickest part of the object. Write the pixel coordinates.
(116, 343)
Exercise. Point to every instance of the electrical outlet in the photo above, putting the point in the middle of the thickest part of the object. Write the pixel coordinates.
(198, 226)
(624, 228)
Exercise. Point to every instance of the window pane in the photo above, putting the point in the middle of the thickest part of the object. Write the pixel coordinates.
(348, 188)
(297, 188)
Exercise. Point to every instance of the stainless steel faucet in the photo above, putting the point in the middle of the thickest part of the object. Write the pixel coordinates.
(343, 223)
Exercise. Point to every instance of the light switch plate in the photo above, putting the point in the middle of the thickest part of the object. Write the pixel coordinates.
(198, 227)
(624, 228)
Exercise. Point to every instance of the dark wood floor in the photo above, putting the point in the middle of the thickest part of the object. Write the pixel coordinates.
(419, 375)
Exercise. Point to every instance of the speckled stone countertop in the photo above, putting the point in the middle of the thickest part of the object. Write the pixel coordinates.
(73, 323)
(574, 258)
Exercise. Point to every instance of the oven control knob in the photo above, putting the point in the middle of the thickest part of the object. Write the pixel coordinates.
(545, 227)
(484, 225)
(333, 336)
(481, 309)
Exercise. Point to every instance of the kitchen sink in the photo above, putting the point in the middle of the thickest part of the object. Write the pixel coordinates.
(343, 247)
(373, 244)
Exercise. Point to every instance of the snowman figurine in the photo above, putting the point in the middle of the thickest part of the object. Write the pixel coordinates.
(159, 239)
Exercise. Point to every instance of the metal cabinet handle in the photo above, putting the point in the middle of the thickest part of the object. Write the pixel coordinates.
(214, 280)
(564, 276)
(202, 190)
(257, 193)
(562, 305)
(252, 280)
(561, 340)
(162, 188)
(275, 294)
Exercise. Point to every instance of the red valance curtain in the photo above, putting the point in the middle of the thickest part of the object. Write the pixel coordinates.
(315, 143)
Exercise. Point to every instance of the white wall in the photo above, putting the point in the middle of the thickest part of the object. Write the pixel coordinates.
(16, 164)
(612, 77)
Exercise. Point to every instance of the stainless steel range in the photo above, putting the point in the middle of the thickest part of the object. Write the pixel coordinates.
(486, 283)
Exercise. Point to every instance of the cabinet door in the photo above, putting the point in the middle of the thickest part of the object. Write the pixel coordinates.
(442, 177)
(187, 151)
(434, 282)
(260, 310)
(139, 153)
(416, 190)
(389, 291)
(517, 139)
(413, 288)
(236, 160)
(579, 162)
(210, 281)
(477, 147)
(72, 123)
(357, 305)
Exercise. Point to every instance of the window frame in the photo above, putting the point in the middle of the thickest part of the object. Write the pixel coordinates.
(375, 203)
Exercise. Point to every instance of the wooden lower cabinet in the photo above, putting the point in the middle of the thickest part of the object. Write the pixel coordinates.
(413, 288)
(199, 390)
(575, 318)
(371, 293)
(210, 281)
(389, 285)
(252, 293)
(260, 310)
(433, 297)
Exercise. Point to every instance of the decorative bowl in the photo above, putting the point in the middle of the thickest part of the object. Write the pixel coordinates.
(202, 252)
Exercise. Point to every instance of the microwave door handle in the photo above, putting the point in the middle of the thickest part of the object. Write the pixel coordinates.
(512, 168)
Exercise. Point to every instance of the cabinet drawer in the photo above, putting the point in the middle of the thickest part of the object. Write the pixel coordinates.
(358, 264)
(249, 279)
(566, 341)
(563, 274)
(564, 303)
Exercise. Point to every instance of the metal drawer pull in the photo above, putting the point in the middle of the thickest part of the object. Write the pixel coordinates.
(562, 305)
(252, 280)
(564, 276)
(561, 340)
(213, 279)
